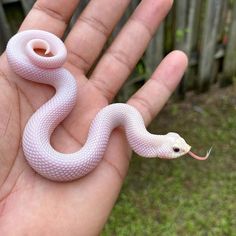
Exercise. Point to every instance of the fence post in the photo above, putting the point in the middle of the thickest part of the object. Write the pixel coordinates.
(191, 43)
(229, 67)
(209, 39)
(181, 13)
(155, 50)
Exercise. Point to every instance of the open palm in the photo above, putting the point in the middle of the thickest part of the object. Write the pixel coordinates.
(33, 205)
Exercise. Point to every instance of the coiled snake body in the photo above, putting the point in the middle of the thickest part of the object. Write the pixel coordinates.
(41, 156)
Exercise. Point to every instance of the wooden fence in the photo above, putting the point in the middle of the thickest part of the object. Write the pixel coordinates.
(205, 30)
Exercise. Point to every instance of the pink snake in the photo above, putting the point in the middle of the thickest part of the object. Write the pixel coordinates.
(41, 156)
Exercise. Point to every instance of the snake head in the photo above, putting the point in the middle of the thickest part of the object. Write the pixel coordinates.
(175, 146)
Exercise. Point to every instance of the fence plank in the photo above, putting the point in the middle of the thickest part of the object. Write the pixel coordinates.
(229, 61)
(210, 29)
(192, 26)
(181, 15)
(155, 50)
(191, 44)
(181, 12)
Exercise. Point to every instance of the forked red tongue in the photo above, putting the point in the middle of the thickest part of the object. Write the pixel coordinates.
(199, 157)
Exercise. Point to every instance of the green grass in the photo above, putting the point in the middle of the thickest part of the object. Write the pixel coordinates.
(185, 196)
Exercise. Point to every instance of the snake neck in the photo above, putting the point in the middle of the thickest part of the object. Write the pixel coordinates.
(141, 141)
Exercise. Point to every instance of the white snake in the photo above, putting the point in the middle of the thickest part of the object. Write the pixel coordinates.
(41, 156)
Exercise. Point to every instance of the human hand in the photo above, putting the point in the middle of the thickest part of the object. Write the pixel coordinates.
(32, 204)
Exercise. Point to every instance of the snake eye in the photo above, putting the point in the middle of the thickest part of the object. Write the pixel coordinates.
(175, 149)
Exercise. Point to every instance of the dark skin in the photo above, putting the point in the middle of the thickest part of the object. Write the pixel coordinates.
(33, 205)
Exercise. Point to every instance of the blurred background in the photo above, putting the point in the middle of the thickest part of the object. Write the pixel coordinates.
(184, 196)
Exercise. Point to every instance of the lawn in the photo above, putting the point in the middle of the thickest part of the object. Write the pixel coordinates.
(185, 196)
